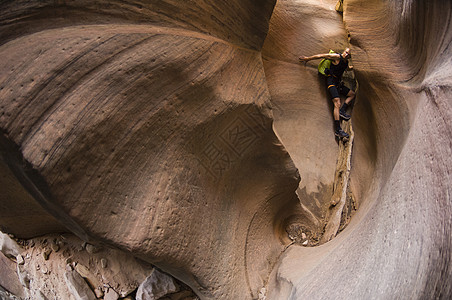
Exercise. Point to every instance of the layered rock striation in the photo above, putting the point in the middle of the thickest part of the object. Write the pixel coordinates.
(397, 245)
(148, 127)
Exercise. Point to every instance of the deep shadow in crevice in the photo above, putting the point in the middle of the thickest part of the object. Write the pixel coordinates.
(27, 193)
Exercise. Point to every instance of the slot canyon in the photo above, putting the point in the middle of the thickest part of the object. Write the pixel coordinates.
(180, 150)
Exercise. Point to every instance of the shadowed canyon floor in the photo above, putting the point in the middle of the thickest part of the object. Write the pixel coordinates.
(185, 137)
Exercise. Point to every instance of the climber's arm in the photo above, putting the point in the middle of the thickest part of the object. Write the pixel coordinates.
(319, 56)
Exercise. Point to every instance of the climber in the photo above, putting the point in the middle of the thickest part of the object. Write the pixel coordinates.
(339, 63)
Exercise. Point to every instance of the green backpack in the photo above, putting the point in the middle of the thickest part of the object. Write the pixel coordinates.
(325, 64)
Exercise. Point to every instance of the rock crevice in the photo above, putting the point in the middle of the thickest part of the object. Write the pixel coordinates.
(164, 128)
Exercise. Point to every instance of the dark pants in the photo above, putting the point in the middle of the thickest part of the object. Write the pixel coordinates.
(336, 87)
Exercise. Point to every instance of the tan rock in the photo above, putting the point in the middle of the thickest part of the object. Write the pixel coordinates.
(99, 293)
(397, 138)
(46, 253)
(88, 275)
(156, 285)
(204, 103)
(111, 295)
(55, 247)
(104, 262)
(9, 279)
(302, 109)
(147, 126)
(20, 260)
(92, 248)
(77, 286)
(8, 246)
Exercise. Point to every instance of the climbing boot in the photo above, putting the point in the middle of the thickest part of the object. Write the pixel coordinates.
(344, 115)
(341, 134)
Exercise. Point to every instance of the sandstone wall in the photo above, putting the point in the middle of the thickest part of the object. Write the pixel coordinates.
(243, 23)
(398, 243)
(302, 110)
(148, 127)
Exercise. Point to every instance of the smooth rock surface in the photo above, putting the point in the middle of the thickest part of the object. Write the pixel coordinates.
(398, 244)
(163, 118)
(149, 127)
(301, 107)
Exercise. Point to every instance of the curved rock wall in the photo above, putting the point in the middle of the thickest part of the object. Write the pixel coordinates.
(398, 244)
(148, 127)
(141, 131)
(243, 23)
(301, 108)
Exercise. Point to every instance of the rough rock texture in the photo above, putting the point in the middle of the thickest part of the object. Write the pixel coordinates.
(149, 130)
(155, 286)
(147, 126)
(63, 266)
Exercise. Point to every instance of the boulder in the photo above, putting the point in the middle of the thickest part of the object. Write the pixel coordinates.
(9, 280)
(8, 246)
(78, 286)
(111, 295)
(156, 286)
